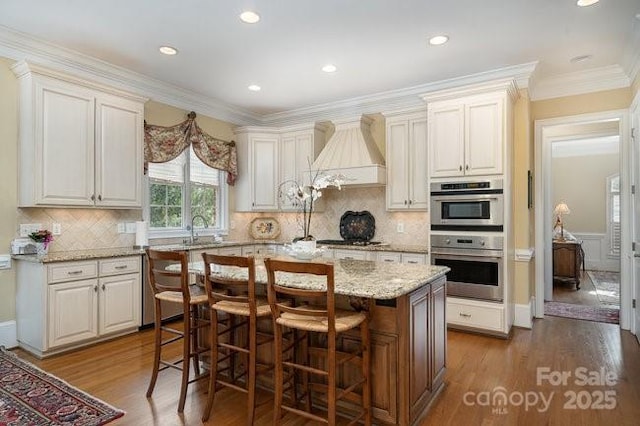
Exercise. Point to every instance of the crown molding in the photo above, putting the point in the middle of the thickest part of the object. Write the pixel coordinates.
(508, 85)
(580, 82)
(24, 47)
(406, 99)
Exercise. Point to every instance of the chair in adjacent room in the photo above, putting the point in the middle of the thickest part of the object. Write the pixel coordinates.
(317, 314)
(235, 310)
(171, 286)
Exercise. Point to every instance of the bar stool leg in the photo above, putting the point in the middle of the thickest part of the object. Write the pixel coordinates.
(278, 373)
(157, 331)
(305, 374)
(186, 357)
(331, 379)
(251, 380)
(213, 362)
(366, 371)
(195, 340)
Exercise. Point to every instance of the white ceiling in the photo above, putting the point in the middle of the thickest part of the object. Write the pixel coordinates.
(377, 45)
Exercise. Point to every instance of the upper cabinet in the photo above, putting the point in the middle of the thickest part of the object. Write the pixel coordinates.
(257, 183)
(406, 158)
(80, 144)
(467, 134)
(269, 156)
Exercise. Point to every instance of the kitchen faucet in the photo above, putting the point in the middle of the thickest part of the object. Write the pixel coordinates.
(190, 227)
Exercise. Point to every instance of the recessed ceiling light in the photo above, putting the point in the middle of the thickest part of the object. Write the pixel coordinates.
(329, 68)
(249, 17)
(254, 88)
(439, 39)
(580, 58)
(584, 3)
(168, 50)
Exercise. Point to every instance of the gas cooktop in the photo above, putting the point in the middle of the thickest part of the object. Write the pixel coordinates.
(349, 242)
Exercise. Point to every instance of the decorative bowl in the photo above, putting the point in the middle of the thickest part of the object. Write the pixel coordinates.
(301, 253)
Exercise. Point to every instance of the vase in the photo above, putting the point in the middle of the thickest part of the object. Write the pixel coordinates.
(42, 249)
(305, 245)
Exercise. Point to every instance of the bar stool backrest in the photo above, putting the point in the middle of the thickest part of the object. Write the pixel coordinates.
(321, 303)
(161, 280)
(227, 289)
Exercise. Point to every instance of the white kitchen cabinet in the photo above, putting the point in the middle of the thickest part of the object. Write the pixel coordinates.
(352, 254)
(414, 258)
(256, 188)
(476, 315)
(400, 257)
(80, 143)
(60, 306)
(467, 134)
(299, 148)
(406, 158)
(389, 257)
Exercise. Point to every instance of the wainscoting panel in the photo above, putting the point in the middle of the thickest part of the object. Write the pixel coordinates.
(596, 250)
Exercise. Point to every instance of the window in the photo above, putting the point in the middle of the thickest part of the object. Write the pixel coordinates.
(613, 214)
(175, 199)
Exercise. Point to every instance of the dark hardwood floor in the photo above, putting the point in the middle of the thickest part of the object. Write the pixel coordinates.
(478, 366)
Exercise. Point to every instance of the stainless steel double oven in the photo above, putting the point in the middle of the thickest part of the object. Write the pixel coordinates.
(474, 249)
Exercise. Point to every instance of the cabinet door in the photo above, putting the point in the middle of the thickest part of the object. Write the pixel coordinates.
(418, 166)
(73, 312)
(288, 168)
(420, 342)
(264, 169)
(119, 127)
(230, 251)
(350, 254)
(446, 140)
(64, 135)
(414, 258)
(484, 137)
(439, 332)
(119, 303)
(389, 257)
(397, 165)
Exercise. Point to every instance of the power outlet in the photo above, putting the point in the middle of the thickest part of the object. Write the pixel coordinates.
(56, 229)
(28, 228)
(400, 227)
(130, 227)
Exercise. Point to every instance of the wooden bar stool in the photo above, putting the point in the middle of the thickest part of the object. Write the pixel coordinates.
(174, 287)
(234, 298)
(321, 318)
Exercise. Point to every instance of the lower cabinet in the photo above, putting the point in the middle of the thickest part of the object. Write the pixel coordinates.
(476, 315)
(60, 306)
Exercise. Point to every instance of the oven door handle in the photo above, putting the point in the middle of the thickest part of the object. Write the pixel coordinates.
(458, 198)
(466, 256)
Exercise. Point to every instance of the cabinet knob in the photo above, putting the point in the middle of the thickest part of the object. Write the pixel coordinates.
(405, 202)
(467, 167)
(93, 197)
(410, 202)
(460, 168)
(463, 315)
(102, 287)
(99, 197)
(95, 288)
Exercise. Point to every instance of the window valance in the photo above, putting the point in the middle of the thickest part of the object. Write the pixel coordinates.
(162, 144)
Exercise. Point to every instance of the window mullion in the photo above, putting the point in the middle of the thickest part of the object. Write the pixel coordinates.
(186, 188)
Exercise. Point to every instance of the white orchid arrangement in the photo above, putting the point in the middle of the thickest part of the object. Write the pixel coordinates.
(303, 196)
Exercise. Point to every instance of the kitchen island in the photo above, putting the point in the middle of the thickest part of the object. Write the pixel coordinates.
(406, 304)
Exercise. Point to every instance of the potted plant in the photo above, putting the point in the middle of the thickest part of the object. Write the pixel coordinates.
(42, 238)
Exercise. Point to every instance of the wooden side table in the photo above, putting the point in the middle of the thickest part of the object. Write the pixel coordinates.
(568, 256)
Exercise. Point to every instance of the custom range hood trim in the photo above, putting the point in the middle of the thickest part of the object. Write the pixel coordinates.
(351, 151)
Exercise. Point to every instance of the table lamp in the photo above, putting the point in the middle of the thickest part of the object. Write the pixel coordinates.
(561, 209)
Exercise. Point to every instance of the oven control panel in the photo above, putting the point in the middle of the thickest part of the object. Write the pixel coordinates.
(467, 242)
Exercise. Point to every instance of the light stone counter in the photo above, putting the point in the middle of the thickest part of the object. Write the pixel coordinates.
(71, 255)
(359, 278)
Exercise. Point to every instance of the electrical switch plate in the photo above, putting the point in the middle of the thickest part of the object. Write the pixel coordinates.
(400, 227)
(5, 261)
(121, 228)
(56, 229)
(130, 227)
(28, 228)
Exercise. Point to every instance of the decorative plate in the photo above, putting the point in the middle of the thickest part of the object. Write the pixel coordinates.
(357, 226)
(264, 228)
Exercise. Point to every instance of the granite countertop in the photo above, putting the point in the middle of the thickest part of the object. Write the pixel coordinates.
(63, 256)
(360, 278)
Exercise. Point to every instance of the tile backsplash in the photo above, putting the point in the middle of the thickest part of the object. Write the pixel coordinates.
(83, 228)
(325, 224)
(97, 228)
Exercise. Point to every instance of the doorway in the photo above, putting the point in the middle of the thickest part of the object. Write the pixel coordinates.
(563, 132)
(585, 199)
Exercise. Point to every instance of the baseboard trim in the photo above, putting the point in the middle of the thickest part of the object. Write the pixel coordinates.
(523, 315)
(8, 337)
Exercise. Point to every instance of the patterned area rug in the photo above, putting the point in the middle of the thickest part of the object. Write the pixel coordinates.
(30, 396)
(582, 312)
(607, 286)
